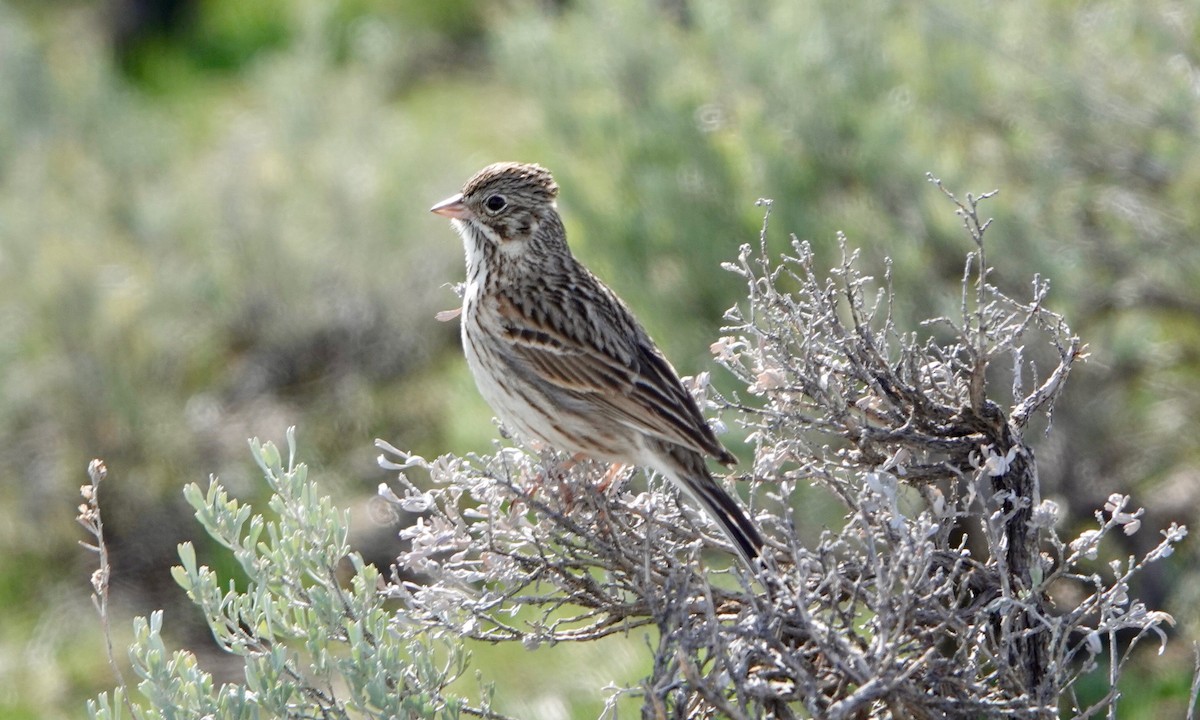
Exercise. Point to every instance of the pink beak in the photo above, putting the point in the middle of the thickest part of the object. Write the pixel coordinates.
(452, 207)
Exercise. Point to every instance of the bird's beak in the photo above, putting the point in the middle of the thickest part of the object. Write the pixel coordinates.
(452, 207)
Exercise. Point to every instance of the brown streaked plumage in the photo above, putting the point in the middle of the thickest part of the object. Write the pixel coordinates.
(561, 359)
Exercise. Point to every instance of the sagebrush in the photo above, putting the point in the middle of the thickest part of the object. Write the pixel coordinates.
(945, 590)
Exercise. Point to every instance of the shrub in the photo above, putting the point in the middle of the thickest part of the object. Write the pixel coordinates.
(945, 592)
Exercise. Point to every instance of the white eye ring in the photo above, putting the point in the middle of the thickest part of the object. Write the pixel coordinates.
(495, 204)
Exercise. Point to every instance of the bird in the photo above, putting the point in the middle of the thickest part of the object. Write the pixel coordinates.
(561, 359)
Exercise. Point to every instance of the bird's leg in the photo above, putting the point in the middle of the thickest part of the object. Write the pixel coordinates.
(559, 473)
(564, 488)
(614, 471)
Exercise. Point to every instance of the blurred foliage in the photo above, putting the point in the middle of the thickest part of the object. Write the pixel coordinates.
(178, 277)
(170, 46)
(218, 229)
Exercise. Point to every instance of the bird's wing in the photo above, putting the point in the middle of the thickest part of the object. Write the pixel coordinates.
(623, 375)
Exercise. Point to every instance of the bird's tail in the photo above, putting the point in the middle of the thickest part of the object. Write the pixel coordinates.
(689, 471)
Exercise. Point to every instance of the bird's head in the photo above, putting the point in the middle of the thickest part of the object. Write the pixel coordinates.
(504, 205)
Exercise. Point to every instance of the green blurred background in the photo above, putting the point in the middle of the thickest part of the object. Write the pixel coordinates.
(213, 225)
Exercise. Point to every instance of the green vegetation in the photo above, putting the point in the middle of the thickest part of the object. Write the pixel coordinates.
(222, 232)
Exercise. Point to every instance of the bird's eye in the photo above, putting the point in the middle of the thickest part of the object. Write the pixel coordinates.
(495, 203)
